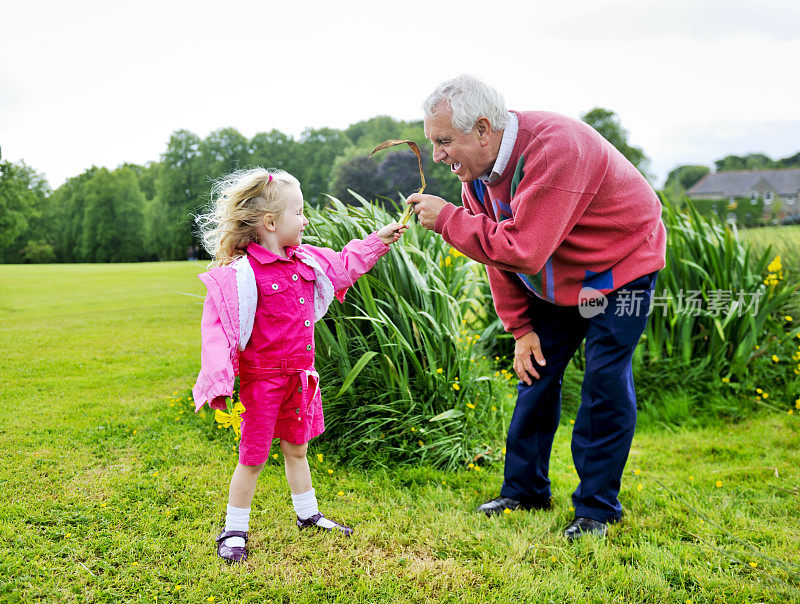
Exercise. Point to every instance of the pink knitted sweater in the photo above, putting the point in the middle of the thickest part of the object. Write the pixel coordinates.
(568, 212)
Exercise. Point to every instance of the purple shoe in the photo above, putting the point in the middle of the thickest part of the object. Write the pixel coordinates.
(231, 555)
(312, 523)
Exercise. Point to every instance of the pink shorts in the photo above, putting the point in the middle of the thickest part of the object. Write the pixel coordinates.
(274, 408)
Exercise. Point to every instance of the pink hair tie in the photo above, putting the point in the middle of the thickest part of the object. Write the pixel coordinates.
(270, 179)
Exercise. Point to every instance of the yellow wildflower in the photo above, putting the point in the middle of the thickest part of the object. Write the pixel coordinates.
(718, 484)
(759, 390)
(572, 421)
(319, 457)
(571, 509)
(330, 471)
(753, 564)
(775, 265)
(340, 493)
(636, 472)
(421, 444)
(797, 404)
(210, 599)
(506, 511)
(439, 370)
(775, 358)
(470, 406)
(788, 319)
(232, 419)
(504, 450)
(791, 411)
(639, 488)
(726, 380)
(456, 387)
(552, 559)
(470, 466)
(413, 429)
(765, 395)
(495, 408)
(448, 261)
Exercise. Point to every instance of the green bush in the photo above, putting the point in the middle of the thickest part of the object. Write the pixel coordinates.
(738, 317)
(401, 360)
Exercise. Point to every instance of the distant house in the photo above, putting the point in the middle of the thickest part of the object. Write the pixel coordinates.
(776, 191)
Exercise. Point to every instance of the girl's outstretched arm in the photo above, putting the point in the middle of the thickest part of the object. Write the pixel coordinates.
(356, 258)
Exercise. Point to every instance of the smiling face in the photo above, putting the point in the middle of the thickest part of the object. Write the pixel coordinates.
(290, 224)
(469, 154)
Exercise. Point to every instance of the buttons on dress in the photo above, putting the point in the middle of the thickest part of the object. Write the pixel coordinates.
(274, 286)
(297, 410)
(300, 389)
(307, 323)
(302, 300)
(294, 277)
(308, 347)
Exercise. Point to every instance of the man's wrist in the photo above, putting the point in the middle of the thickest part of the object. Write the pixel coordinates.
(445, 213)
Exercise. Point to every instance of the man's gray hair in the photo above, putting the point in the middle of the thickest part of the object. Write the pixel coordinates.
(469, 99)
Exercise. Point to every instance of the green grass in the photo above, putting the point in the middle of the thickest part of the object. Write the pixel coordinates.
(785, 240)
(112, 491)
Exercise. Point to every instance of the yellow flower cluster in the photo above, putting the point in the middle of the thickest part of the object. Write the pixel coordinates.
(775, 269)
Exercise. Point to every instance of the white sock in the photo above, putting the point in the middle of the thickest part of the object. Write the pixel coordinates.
(305, 504)
(237, 519)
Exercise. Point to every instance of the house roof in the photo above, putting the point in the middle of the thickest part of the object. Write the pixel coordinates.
(739, 183)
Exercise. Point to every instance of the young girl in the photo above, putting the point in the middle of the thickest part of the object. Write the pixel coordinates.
(264, 295)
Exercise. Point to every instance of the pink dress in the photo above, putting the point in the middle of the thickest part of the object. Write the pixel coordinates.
(279, 386)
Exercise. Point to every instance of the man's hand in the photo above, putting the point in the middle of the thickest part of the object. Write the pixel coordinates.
(427, 208)
(527, 346)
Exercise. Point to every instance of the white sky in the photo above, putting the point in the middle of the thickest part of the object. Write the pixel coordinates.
(86, 82)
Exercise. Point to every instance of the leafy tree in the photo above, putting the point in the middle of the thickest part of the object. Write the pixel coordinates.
(273, 149)
(182, 187)
(751, 161)
(112, 218)
(789, 162)
(685, 177)
(65, 211)
(369, 133)
(358, 172)
(313, 163)
(608, 124)
(23, 195)
(224, 151)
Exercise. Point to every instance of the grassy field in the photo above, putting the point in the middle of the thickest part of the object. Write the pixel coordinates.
(783, 239)
(112, 489)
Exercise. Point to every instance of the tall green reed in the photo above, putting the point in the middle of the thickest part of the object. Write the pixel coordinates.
(400, 366)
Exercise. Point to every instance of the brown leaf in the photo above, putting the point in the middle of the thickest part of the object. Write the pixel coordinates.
(414, 148)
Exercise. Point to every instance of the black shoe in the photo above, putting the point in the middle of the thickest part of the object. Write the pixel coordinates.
(498, 505)
(582, 526)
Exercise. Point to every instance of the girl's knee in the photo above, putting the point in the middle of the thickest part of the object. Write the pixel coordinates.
(290, 450)
(254, 469)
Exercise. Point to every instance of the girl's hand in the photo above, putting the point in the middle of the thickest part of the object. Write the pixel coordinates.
(391, 232)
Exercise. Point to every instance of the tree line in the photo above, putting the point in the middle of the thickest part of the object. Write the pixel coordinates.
(145, 212)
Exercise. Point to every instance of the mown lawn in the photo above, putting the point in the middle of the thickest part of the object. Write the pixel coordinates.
(112, 490)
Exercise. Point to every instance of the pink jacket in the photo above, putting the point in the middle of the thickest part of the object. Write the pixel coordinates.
(230, 304)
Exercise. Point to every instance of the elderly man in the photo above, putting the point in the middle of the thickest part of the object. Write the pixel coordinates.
(571, 236)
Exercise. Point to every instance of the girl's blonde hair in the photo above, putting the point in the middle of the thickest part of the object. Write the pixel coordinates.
(239, 202)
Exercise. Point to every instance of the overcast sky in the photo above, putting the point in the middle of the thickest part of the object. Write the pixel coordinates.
(87, 82)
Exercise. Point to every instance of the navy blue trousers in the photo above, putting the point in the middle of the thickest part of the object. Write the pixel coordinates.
(604, 426)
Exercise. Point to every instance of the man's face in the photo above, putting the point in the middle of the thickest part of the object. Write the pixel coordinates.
(462, 151)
